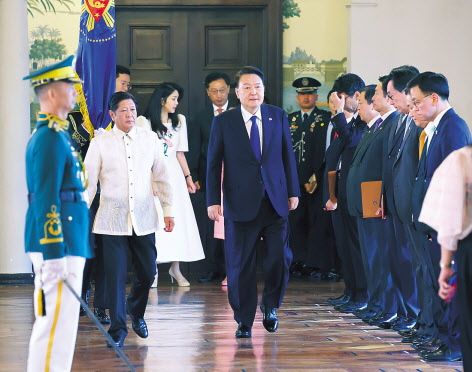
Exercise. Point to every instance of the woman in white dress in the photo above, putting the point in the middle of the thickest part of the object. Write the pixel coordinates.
(183, 243)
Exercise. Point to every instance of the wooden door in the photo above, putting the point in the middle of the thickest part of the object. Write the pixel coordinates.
(182, 41)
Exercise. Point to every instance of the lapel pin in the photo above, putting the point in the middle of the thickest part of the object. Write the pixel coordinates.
(270, 119)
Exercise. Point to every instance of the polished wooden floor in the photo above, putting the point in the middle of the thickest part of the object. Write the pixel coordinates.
(192, 329)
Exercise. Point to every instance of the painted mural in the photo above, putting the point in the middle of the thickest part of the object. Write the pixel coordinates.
(314, 45)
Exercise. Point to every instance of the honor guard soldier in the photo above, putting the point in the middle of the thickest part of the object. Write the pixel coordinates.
(56, 233)
(308, 128)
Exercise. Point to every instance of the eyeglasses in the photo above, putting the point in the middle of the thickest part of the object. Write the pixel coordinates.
(390, 96)
(216, 91)
(418, 103)
(126, 85)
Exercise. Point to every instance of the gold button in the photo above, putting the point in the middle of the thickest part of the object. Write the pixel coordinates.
(70, 218)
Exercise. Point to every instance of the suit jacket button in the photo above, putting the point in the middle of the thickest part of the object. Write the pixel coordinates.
(70, 218)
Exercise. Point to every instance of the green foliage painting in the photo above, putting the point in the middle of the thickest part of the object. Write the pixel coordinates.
(47, 44)
(291, 9)
(41, 6)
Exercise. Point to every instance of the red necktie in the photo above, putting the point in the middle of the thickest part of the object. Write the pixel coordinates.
(335, 134)
(220, 110)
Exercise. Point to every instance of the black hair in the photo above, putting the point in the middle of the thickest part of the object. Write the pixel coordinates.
(369, 92)
(210, 78)
(384, 80)
(430, 82)
(154, 108)
(117, 97)
(248, 70)
(400, 76)
(348, 84)
(122, 70)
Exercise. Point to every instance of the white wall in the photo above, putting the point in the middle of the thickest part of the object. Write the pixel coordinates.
(15, 132)
(433, 35)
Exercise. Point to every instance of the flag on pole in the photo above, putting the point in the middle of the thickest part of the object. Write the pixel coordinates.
(96, 62)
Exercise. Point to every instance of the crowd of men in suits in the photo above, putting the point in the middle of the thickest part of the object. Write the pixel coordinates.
(397, 131)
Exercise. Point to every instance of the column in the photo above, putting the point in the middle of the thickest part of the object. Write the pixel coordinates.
(14, 135)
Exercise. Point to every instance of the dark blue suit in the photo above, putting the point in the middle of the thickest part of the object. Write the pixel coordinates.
(255, 201)
(344, 147)
(452, 133)
(366, 166)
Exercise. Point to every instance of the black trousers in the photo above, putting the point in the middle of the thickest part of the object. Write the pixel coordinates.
(213, 248)
(240, 247)
(399, 261)
(374, 246)
(95, 266)
(351, 257)
(423, 281)
(445, 315)
(464, 299)
(143, 253)
(311, 233)
(338, 238)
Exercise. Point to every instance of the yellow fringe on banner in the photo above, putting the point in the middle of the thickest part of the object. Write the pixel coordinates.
(83, 109)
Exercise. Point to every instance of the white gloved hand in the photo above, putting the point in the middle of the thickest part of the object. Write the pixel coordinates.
(98, 131)
(54, 270)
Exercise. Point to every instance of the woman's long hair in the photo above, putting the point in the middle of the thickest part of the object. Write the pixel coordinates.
(154, 108)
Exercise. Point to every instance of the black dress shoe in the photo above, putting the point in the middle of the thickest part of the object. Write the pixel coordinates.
(339, 300)
(422, 339)
(86, 297)
(431, 345)
(119, 340)
(352, 306)
(409, 332)
(243, 331)
(269, 318)
(377, 315)
(140, 328)
(404, 325)
(361, 314)
(387, 324)
(342, 304)
(308, 271)
(382, 319)
(443, 354)
(101, 315)
(210, 277)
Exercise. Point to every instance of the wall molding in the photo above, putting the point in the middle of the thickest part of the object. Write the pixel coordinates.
(361, 3)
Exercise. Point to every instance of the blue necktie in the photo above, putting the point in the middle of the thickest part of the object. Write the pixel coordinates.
(255, 139)
(377, 123)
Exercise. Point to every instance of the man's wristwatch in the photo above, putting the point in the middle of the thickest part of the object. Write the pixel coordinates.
(338, 111)
(188, 175)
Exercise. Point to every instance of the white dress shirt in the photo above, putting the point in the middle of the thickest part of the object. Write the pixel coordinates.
(247, 120)
(224, 108)
(125, 164)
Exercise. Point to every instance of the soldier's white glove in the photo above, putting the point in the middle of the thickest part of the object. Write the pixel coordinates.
(98, 131)
(54, 270)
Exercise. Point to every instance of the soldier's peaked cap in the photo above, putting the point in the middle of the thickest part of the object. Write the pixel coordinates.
(64, 70)
(306, 85)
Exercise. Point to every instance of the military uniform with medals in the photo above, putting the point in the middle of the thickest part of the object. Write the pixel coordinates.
(56, 231)
(310, 231)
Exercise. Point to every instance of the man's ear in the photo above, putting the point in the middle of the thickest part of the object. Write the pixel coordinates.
(357, 96)
(237, 92)
(112, 115)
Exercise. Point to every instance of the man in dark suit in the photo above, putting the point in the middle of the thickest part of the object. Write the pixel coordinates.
(346, 98)
(366, 166)
(217, 86)
(444, 133)
(260, 186)
(399, 167)
(311, 232)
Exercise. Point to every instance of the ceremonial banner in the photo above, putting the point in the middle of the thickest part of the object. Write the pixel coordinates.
(96, 62)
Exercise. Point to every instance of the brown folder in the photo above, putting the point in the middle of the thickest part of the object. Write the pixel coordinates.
(332, 186)
(371, 194)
